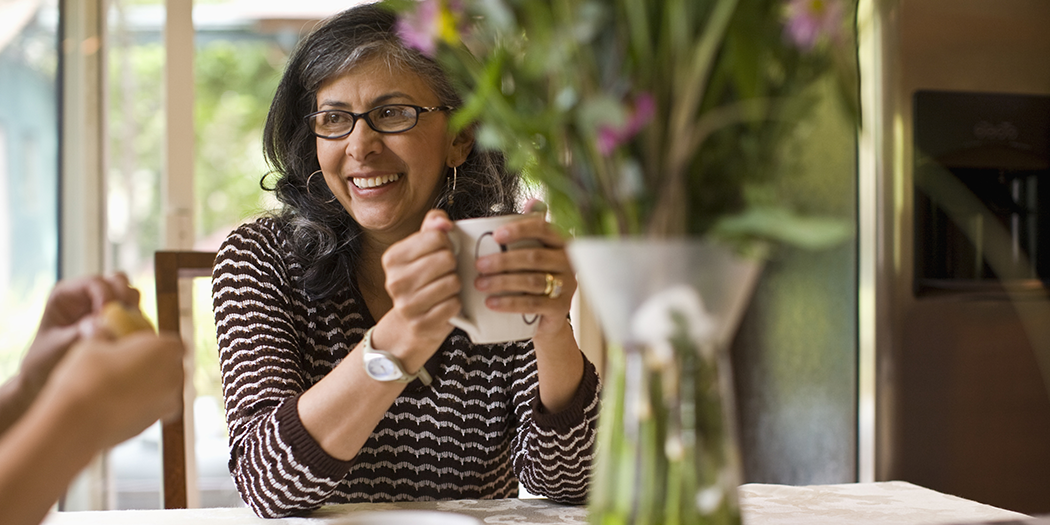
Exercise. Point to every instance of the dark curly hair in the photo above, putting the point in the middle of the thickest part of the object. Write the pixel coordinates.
(325, 240)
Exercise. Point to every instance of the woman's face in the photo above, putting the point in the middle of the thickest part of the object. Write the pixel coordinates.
(387, 182)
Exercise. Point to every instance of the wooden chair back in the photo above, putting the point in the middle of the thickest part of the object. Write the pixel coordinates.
(169, 268)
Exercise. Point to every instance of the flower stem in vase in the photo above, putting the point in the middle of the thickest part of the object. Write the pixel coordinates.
(681, 446)
(613, 486)
(652, 418)
(664, 455)
(716, 452)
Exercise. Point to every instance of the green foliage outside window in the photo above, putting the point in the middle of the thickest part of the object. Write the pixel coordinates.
(233, 85)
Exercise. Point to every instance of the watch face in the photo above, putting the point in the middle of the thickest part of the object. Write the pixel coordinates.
(381, 368)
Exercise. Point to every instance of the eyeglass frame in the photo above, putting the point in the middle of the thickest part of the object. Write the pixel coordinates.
(368, 120)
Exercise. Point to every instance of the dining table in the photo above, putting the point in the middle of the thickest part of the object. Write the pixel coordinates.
(879, 503)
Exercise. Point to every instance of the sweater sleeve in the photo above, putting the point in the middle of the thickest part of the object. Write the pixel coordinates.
(279, 469)
(554, 452)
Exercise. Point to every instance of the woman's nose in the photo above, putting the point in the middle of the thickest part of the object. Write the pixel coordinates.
(363, 141)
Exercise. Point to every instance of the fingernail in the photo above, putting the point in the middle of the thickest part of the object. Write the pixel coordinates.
(535, 205)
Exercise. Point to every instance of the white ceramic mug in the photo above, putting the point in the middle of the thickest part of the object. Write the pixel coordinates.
(471, 239)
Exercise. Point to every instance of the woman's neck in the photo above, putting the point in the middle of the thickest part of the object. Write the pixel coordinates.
(371, 278)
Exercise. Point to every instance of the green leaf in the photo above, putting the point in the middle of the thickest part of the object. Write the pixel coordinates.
(781, 225)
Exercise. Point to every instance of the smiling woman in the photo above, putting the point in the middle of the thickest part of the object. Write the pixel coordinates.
(361, 268)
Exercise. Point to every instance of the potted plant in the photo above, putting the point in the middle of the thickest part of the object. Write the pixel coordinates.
(656, 130)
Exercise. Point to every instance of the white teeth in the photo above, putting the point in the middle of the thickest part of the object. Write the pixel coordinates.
(373, 182)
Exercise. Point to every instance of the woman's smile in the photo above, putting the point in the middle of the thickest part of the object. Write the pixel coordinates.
(374, 182)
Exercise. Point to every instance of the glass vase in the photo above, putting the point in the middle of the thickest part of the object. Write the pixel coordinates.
(667, 449)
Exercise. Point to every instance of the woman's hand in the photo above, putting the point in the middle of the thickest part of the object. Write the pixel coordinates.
(424, 289)
(529, 280)
(518, 282)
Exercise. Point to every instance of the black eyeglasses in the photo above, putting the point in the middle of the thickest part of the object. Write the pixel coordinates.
(389, 118)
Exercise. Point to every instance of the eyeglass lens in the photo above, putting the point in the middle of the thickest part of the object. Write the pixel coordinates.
(384, 119)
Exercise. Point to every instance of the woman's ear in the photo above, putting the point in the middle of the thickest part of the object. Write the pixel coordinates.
(461, 145)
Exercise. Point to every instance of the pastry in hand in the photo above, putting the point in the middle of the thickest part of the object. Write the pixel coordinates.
(121, 319)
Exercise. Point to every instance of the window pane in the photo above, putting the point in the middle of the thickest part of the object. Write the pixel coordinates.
(28, 171)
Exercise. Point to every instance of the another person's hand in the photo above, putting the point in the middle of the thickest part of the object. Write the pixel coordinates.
(122, 385)
(101, 391)
(529, 280)
(71, 303)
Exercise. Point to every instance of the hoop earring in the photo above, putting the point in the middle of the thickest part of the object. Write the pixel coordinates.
(310, 178)
(452, 192)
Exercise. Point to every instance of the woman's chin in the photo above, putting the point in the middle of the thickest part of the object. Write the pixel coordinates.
(387, 223)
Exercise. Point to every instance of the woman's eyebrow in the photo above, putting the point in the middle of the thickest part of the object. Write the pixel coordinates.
(388, 97)
(333, 104)
(378, 101)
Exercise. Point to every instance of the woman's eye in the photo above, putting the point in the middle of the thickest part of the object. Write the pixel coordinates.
(387, 113)
(334, 118)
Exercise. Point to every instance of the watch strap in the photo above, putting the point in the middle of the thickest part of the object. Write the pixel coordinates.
(422, 374)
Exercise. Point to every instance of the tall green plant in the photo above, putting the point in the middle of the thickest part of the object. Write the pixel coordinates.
(661, 118)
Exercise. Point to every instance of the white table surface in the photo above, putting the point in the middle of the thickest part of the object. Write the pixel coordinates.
(884, 503)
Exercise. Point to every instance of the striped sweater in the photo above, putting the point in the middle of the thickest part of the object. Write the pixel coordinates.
(472, 434)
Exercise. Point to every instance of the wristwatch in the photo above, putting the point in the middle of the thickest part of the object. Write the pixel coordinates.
(383, 366)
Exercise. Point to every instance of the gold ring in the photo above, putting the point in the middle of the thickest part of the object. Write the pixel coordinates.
(553, 287)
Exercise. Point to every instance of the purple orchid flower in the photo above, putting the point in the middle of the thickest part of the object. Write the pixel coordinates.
(811, 21)
(610, 138)
(417, 28)
(429, 23)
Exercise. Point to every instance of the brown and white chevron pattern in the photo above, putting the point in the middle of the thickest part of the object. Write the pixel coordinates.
(473, 434)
